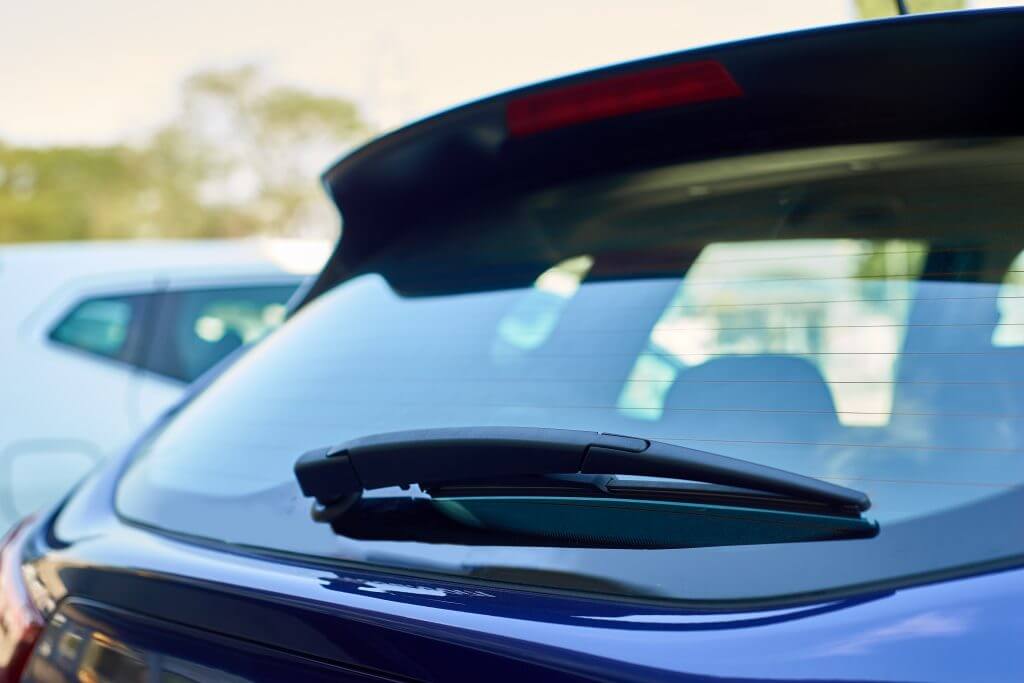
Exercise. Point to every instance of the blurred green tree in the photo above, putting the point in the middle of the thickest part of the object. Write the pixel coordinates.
(241, 157)
(68, 192)
(260, 147)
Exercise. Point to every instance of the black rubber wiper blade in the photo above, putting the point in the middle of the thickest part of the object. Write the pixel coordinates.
(337, 475)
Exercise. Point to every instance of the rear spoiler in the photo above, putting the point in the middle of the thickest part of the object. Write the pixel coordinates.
(920, 77)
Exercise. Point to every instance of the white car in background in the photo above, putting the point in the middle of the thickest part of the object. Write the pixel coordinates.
(97, 339)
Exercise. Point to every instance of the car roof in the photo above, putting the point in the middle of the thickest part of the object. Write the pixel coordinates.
(930, 76)
(256, 256)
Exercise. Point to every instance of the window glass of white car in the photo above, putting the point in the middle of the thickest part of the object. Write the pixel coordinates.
(178, 334)
(100, 325)
(196, 328)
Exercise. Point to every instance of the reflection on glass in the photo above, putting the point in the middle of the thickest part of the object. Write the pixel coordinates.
(815, 299)
(108, 661)
(1010, 330)
(535, 314)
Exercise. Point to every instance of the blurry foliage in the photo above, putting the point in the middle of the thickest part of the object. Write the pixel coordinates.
(242, 157)
(871, 9)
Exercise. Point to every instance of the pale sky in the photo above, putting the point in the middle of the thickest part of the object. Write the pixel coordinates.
(93, 71)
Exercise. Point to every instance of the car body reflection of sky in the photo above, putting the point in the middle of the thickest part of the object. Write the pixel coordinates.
(925, 625)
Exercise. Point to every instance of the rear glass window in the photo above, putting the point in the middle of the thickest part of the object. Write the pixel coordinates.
(848, 314)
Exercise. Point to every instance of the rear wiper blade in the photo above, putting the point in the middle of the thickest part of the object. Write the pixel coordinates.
(337, 476)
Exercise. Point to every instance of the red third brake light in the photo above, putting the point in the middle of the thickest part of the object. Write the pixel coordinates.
(20, 622)
(657, 88)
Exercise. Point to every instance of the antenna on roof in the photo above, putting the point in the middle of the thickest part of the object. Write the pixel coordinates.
(901, 7)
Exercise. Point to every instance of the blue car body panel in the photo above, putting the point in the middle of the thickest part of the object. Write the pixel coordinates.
(258, 616)
(423, 628)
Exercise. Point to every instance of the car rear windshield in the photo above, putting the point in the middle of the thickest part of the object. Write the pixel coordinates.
(851, 313)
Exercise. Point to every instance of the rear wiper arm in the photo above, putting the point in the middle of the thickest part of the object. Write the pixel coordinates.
(336, 476)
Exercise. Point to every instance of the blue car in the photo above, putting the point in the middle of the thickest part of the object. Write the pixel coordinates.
(708, 367)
